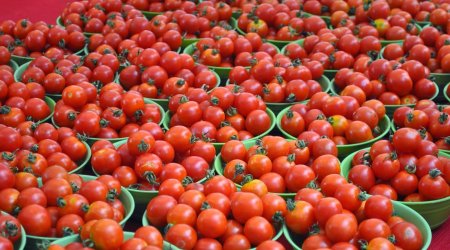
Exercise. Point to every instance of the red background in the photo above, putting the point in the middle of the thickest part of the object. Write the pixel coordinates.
(48, 11)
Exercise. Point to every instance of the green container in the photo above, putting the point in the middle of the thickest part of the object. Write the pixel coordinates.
(82, 163)
(344, 150)
(435, 212)
(19, 244)
(13, 65)
(423, 24)
(219, 145)
(445, 93)
(390, 109)
(401, 210)
(51, 104)
(441, 79)
(219, 166)
(92, 140)
(127, 235)
(236, 14)
(164, 103)
(279, 232)
(33, 242)
(149, 15)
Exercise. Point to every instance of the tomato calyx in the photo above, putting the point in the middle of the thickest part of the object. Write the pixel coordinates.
(231, 111)
(34, 148)
(301, 144)
(410, 168)
(313, 185)
(434, 173)
(4, 110)
(75, 187)
(151, 178)
(67, 231)
(205, 205)
(363, 196)
(8, 156)
(186, 181)
(290, 158)
(443, 117)
(138, 114)
(291, 98)
(290, 203)
(10, 229)
(238, 170)
(246, 179)
(278, 218)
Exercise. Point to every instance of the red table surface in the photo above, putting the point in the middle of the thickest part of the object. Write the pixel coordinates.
(49, 10)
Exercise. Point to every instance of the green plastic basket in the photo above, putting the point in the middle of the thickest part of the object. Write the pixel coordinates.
(82, 163)
(279, 232)
(401, 210)
(423, 24)
(344, 150)
(164, 103)
(435, 212)
(219, 145)
(219, 166)
(19, 244)
(13, 65)
(126, 235)
(125, 197)
(390, 109)
(445, 92)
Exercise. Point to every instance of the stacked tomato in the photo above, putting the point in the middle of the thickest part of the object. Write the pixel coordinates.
(345, 220)
(278, 165)
(343, 119)
(231, 50)
(100, 16)
(54, 75)
(288, 82)
(202, 20)
(152, 160)
(429, 48)
(335, 49)
(116, 114)
(32, 147)
(11, 231)
(432, 123)
(408, 168)
(60, 202)
(27, 39)
(216, 215)
(328, 8)
(279, 21)
(167, 75)
(161, 6)
(221, 116)
(5, 59)
(391, 82)
(107, 234)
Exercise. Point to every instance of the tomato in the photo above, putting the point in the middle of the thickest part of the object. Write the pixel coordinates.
(372, 228)
(99, 234)
(182, 235)
(341, 227)
(150, 235)
(158, 208)
(35, 219)
(300, 216)
(105, 161)
(379, 207)
(407, 236)
(349, 196)
(239, 201)
(211, 223)
(406, 140)
(363, 176)
(298, 176)
(433, 186)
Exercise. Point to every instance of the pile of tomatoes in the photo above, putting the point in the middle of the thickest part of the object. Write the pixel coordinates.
(59, 203)
(279, 22)
(27, 39)
(232, 49)
(408, 167)
(432, 123)
(344, 119)
(111, 63)
(391, 82)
